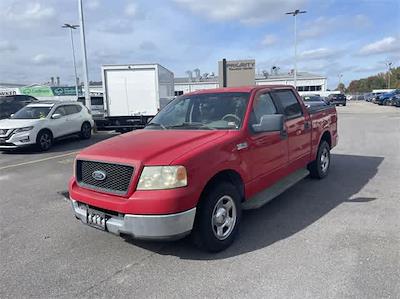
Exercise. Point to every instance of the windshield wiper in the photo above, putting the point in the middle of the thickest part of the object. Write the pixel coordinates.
(156, 125)
(190, 126)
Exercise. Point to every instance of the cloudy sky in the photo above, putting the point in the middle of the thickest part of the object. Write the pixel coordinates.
(351, 37)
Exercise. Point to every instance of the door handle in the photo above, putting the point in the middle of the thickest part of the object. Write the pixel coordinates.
(307, 125)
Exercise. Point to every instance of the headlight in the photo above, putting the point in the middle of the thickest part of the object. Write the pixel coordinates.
(162, 177)
(23, 129)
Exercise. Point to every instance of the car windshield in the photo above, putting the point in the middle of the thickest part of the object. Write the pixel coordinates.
(209, 111)
(32, 113)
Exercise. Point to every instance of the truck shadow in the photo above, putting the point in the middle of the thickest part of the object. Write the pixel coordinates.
(291, 212)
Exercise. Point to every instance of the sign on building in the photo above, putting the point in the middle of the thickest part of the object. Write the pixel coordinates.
(37, 91)
(9, 91)
(65, 91)
(237, 72)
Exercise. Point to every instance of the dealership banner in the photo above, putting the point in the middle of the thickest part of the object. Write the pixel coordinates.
(37, 91)
(9, 91)
(65, 91)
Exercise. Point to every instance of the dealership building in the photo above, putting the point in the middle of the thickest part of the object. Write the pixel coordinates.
(306, 82)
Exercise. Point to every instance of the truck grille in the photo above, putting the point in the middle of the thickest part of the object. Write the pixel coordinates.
(107, 177)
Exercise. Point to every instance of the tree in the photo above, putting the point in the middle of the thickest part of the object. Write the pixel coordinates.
(378, 81)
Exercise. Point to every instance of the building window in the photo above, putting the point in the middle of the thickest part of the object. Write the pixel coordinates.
(318, 87)
(312, 88)
(300, 88)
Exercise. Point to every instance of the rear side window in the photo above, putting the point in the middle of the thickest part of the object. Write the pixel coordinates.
(72, 109)
(290, 105)
(61, 110)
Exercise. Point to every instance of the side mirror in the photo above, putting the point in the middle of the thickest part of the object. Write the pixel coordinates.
(12, 115)
(56, 116)
(269, 123)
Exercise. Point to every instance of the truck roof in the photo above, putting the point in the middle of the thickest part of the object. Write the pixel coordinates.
(239, 89)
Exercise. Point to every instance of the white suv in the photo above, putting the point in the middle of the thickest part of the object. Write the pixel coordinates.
(40, 123)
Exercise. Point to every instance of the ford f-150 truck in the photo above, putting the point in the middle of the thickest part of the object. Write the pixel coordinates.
(200, 161)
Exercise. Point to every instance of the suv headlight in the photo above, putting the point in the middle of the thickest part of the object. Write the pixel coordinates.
(26, 129)
(162, 177)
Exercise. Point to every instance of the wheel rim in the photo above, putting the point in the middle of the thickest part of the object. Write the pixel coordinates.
(224, 217)
(45, 141)
(324, 160)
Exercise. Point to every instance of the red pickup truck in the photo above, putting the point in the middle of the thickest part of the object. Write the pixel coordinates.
(200, 161)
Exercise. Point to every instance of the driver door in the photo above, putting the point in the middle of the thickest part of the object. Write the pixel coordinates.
(268, 151)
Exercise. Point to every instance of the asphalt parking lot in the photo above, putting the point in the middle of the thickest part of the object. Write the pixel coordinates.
(335, 238)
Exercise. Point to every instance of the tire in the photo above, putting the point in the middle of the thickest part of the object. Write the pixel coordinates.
(218, 217)
(44, 140)
(319, 168)
(86, 131)
(344, 104)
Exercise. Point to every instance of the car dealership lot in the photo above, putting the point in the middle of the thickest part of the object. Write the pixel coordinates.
(335, 238)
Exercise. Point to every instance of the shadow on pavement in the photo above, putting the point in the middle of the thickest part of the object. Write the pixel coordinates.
(70, 143)
(289, 213)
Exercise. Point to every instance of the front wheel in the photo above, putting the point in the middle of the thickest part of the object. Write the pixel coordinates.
(320, 166)
(86, 131)
(44, 140)
(218, 217)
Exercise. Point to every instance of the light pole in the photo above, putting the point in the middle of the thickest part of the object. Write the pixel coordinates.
(340, 80)
(71, 28)
(84, 56)
(389, 65)
(294, 14)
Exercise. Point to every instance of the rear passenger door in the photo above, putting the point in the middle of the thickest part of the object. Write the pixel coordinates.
(298, 130)
(59, 126)
(74, 118)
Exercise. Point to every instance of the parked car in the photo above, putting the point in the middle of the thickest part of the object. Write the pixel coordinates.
(393, 101)
(97, 106)
(40, 123)
(386, 96)
(314, 100)
(201, 160)
(11, 104)
(337, 99)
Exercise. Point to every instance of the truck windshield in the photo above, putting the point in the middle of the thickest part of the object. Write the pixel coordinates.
(32, 113)
(212, 111)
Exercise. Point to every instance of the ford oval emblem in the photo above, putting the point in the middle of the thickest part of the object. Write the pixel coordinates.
(99, 175)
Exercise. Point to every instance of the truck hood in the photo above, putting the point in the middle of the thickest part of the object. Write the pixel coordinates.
(17, 123)
(149, 147)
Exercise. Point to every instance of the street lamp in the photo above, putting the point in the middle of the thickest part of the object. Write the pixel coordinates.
(294, 14)
(389, 65)
(340, 80)
(71, 28)
(84, 56)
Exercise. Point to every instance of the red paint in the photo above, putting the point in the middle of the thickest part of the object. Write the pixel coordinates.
(205, 153)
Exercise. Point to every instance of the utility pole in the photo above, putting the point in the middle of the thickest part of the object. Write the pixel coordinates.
(340, 80)
(84, 56)
(389, 65)
(71, 28)
(294, 14)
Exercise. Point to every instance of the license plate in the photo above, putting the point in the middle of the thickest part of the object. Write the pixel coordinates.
(96, 219)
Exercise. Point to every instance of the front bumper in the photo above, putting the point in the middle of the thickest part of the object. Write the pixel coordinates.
(17, 140)
(170, 226)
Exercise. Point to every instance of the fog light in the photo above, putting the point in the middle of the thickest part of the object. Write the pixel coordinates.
(26, 139)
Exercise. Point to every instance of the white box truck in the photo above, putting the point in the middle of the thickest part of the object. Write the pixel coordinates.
(134, 93)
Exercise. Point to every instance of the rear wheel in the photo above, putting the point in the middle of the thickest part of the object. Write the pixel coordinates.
(217, 218)
(44, 140)
(86, 131)
(320, 166)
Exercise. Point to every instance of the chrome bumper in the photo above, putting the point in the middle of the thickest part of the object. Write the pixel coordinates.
(171, 226)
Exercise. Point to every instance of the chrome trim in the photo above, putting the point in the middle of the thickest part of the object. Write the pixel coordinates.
(170, 226)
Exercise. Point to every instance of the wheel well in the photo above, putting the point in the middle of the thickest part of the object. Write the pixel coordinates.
(230, 176)
(48, 130)
(326, 137)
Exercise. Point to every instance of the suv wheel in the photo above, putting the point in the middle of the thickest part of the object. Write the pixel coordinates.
(319, 168)
(86, 131)
(44, 140)
(218, 217)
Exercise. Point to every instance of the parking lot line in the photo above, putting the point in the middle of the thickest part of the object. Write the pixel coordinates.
(38, 161)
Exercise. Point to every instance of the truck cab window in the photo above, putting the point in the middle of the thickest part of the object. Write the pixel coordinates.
(290, 105)
(263, 105)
